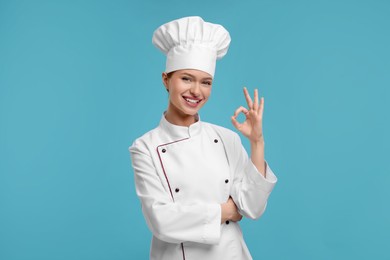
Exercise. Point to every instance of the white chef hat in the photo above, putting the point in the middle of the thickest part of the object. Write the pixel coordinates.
(191, 43)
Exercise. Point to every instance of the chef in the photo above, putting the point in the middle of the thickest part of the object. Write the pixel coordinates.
(194, 179)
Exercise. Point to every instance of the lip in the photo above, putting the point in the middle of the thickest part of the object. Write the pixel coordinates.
(191, 104)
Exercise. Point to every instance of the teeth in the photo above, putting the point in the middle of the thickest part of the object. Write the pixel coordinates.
(192, 100)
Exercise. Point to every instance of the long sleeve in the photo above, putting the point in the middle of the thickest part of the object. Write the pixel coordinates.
(170, 221)
(250, 190)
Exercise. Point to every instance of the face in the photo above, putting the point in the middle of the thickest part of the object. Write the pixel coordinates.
(188, 91)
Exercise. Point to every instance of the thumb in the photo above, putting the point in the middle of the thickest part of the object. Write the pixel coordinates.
(235, 123)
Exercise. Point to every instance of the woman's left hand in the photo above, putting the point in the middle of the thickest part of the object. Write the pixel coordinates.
(252, 126)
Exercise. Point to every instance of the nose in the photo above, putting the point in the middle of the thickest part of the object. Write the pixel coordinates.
(195, 89)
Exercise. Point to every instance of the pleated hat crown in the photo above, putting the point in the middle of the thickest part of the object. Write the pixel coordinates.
(191, 43)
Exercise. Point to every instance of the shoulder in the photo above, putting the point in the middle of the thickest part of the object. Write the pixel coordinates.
(144, 142)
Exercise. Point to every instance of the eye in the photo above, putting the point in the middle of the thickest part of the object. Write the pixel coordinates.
(186, 79)
(207, 83)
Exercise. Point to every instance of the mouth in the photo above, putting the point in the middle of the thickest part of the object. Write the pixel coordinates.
(193, 102)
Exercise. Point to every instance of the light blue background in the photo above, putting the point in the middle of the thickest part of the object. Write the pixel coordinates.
(80, 80)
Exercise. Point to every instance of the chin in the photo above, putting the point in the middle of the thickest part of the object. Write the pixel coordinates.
(191, 113)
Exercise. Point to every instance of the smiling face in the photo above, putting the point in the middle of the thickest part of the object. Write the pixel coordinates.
(188, 91)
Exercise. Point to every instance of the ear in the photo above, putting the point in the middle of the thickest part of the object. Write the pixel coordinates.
(165, 79)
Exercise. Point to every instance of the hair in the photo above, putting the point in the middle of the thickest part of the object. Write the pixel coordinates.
(169, 75)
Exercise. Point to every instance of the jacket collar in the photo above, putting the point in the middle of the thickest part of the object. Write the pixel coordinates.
(176, 131)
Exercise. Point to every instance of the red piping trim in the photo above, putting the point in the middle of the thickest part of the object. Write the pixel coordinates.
(182, 249)
(162, 165)
(166, 178)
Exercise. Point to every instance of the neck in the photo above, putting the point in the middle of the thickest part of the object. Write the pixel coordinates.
(180, 119)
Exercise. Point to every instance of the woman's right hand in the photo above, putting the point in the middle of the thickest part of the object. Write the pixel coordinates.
(229, 211)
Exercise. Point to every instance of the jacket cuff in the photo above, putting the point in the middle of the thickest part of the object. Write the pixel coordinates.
(266, 183)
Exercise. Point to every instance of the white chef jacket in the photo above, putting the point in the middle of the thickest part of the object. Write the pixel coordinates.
(182, 175)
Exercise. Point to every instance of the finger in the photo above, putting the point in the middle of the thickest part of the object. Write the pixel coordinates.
(235, 123)
(256, 97)
(261, 108)
(239, 110)
(248, 98)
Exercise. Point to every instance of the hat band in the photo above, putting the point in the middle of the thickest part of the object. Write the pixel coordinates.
(191, 57)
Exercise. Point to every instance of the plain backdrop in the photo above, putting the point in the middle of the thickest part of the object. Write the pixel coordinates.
(80, 80)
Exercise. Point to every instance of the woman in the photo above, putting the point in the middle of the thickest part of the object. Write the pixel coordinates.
(194, 179)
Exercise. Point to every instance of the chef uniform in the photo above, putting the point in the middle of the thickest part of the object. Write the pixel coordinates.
(184, 174)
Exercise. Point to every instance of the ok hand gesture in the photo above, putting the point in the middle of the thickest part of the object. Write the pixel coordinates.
(252, 126)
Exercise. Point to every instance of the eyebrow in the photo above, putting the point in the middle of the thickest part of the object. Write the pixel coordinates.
(188, 74)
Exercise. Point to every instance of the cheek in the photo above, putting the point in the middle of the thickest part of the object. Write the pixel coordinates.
(177, 87)
(207, 93)
(174, 96)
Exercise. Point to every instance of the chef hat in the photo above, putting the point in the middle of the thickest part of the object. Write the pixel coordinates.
(191, 43)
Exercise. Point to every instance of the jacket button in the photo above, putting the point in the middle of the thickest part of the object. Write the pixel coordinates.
(163, 150)
(226, 181)
(227, 222)
(215, 141)
(177, 189)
